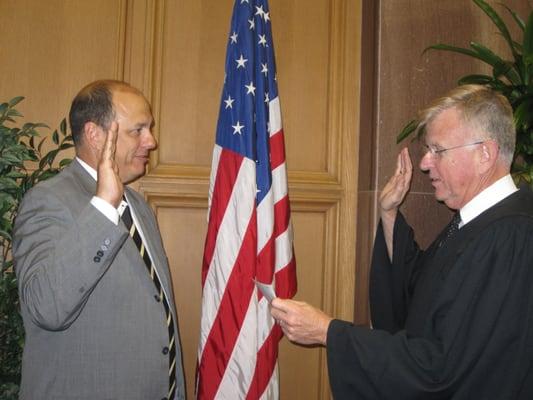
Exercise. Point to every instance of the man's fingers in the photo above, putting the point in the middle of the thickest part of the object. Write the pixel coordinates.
(111, 142)
(279, 305)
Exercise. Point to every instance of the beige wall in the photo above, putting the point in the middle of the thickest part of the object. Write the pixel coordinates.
(174, 51)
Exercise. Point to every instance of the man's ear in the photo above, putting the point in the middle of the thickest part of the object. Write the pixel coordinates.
(94, 136)
(489, 153)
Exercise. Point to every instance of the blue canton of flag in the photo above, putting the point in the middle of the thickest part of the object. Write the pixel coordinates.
(249, 85)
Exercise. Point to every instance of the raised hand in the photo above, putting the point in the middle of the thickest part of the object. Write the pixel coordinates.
(393, 195)
(397, 187)
(109, 186)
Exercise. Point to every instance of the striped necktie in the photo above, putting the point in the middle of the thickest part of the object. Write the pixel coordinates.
(160, 297)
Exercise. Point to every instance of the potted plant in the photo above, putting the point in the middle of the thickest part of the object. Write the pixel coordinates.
(513, 78)
(22, 164)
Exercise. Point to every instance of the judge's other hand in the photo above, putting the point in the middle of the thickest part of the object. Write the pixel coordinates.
(301, 322)
(397, 187)
(109, 186)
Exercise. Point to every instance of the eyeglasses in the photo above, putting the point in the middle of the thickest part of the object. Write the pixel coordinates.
(438, 152)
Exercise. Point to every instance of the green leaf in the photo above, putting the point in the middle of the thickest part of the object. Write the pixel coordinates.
(454, 49)
(65, 145)
(64, 162)
(39, 147)
(8, 184)
(500, 67)
(407, 130)
(496, 19)
(13, 113)
(527, 45)
(63, 126)
(55, 137)
(516, 17)
(15, 174)
(15, 100)
(478, 79)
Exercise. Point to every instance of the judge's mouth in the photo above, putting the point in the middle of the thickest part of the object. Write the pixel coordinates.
(143, 158)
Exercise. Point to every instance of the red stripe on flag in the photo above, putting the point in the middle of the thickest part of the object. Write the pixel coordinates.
(277, 149)
(265, 260)
(228, 168)
(286, 280)
(281, 216)
(231, 312)
(267, 357)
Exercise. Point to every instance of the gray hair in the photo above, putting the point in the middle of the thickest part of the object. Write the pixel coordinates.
(483, 109)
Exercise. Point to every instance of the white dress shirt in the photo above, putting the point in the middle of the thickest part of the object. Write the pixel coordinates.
(495, 193)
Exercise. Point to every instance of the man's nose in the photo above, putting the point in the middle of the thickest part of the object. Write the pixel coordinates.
(149, 141)
(426, 162)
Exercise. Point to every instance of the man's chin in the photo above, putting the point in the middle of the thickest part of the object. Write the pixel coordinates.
(132, 176)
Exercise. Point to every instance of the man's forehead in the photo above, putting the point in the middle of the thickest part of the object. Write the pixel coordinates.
(445, 124)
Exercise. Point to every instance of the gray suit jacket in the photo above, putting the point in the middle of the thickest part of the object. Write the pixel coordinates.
(93, 327)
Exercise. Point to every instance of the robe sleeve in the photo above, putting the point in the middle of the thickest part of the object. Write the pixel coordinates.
(477, 339)
(390, 283)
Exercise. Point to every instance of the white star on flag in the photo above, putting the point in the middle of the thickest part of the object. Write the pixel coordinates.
(241, 62)
(237, 128)
(251, 88)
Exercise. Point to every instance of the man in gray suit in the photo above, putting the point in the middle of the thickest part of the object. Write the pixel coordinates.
(96, 293)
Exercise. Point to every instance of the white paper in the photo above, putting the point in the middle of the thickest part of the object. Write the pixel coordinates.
(267, 290)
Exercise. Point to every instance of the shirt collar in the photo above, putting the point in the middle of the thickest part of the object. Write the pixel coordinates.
(123, 204)
(496, 192)
(88, 168)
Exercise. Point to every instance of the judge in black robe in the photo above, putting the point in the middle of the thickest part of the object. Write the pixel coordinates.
(454, 321)
(449, 322)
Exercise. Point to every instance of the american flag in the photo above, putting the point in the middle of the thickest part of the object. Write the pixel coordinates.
(249, 232)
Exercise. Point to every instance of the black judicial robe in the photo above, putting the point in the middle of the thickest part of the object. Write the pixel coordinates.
(451, 322)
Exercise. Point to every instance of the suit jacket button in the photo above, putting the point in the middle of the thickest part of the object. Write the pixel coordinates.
(107, 242)
(165, 350)
(99, 253)
(96, 259)
(157, 298)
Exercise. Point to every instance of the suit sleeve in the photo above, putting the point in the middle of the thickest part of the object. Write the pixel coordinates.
(390, 282)
(60, 257)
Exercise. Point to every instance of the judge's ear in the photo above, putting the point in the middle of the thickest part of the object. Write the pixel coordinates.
(489, 153)
(93, 136)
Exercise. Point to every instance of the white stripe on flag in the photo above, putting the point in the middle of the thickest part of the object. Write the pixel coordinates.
(274, 116)
(217, 150)
(284, 248)
(228, 244)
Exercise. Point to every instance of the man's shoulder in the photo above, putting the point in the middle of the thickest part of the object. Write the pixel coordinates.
(519, 203)
(512, 213)
(63, 185)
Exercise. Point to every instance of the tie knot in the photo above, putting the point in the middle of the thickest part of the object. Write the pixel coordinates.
(452, 228)
(456, 220)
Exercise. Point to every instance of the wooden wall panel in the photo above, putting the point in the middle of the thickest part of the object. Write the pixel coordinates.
(50, 49)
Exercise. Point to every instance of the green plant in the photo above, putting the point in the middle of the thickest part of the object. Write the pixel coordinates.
(22, 165)
(513, 78)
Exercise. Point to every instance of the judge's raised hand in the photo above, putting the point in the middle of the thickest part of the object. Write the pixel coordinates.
(397, 187)
(109, 186)
(301, 322)
(393, 195)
